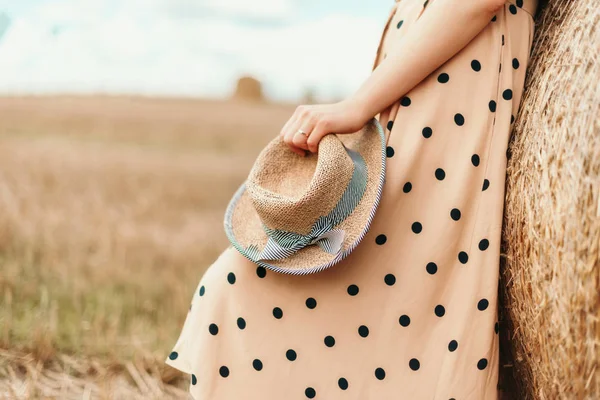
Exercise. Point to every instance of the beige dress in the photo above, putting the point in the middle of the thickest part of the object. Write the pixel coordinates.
(412, 312)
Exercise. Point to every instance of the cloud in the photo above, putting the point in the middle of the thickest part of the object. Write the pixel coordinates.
(106, 46)
(259, 10)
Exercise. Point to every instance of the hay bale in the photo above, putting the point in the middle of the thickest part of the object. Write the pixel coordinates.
(248, 88)
(550, 278)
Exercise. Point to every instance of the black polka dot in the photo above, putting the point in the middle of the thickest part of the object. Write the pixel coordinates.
(352, 290)
(459, 119)
(202, 291)
(405, 101)
(482, 304)
(475, 159)
(241, 323)
(502, 40)
(213, 329)
(431, 267)
(486, 184)
(390, 124)
(440, 174)
(440, 310)
(481, 364)
(404, 320)
(455, 214)
(257, 364)
(380, 373)
(311, 303)
(231, 278)
(310, 393)
(390, 279)
(380, 239)
(512, 8)
(407, 187)
(343, 383)
(427, 131)
(500, 67)
(452, 345)
(507, 94)
(496, 327)
(512, 119)
(363, 331)
(389, 151)
(416, 227)
(515, 63)
(400, 23)
(494, 18)
(492, 106)
(483, 244)
(476, 65)
(463, 257)
(277, 313)
(261, 272)
(414, 364)
(329, 341)
(194, 379)
(173, 355)
(291, 355)
(519, 3)
(224, 371)
(443, 77)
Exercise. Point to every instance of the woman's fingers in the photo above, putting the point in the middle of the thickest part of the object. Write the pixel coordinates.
(303, 120)
(317, 121)
(322, 128)
(285, 127)
(287, 137)
(306, 124)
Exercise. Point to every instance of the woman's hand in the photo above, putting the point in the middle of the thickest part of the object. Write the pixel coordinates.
(347, 116)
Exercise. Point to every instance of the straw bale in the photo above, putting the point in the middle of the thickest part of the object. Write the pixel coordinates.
(550, 276)
(248, 88)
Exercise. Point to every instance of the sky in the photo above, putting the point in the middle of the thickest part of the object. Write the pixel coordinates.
(188, 47)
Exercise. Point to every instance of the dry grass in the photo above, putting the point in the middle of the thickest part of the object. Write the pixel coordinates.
(111, 210)
(550, 286)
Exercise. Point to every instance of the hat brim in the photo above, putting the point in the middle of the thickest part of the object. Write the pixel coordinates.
(243, 226)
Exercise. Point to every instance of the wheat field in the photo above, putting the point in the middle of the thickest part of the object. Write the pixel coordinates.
(111, 209)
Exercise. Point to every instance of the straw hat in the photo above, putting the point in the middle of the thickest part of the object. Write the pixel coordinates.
(300, 215)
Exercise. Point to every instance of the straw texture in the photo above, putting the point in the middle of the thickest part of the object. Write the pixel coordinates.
(290, 192)
(549, 289)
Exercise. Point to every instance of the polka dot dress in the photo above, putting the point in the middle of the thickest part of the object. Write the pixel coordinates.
(412, 312)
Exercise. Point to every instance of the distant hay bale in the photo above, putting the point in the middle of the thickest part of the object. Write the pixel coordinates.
(248, 88)
(549, 289)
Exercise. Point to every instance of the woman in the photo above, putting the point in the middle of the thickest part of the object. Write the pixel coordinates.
(412, 312)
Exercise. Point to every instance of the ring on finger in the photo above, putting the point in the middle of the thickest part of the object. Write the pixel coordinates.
(302, 132)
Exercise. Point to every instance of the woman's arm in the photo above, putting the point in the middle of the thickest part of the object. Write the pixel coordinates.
(444, 29)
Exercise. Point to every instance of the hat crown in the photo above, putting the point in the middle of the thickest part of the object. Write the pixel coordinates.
(290, 192)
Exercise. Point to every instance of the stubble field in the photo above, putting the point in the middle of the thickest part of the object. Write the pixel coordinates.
(111, 209)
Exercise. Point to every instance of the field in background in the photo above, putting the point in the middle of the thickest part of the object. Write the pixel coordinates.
(111, 209)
